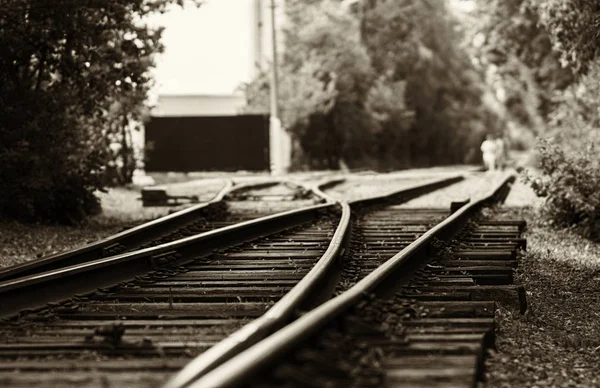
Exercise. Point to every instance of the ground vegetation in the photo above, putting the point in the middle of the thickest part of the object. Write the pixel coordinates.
(555, 343)
(122, 209)
(569, 182)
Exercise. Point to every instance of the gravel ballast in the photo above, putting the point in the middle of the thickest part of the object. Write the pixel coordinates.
(360, 188)
(122, 209)
(555, 344)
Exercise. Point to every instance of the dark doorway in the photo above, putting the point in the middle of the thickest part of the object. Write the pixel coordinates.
(213, 143)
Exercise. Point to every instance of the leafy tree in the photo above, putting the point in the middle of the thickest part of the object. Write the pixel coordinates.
(325, 77)
(539, 49)
(417, 43)
(554, 45)
(574, 29)
(382, 84)
(73, 75)
(517, 52)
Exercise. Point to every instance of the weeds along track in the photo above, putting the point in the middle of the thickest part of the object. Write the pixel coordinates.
(422, 318)
(226, 208)
(137, 318)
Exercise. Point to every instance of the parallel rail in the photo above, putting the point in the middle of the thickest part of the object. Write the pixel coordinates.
(249, 364)
(130, 237)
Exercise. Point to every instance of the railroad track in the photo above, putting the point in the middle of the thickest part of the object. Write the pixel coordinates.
(204, 300)
(225, 209)
(135, 318)
(422, 318)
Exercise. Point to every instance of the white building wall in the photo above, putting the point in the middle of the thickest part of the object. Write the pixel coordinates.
(198, 105)
(209, 53)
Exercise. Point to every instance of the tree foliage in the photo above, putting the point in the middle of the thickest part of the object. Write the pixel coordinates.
(418, 43)
(538, 48)
(522, 67)
(556, 44)
(325, 76)
(73, 77)
(574, 29)
(382, 84)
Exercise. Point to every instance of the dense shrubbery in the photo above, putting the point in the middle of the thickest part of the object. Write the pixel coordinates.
(48, 170)
(574, 29)
(384, 84)
(73, 76)
(544, 51)
(569, 183)
(569, 164)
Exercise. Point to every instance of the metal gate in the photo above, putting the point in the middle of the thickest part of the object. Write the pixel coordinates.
(214, 143)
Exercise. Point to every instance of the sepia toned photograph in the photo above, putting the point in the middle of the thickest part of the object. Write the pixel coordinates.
(299, 193)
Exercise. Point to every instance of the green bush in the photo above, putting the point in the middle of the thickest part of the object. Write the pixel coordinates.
(73, 80)
(569, 182)
(49, 170)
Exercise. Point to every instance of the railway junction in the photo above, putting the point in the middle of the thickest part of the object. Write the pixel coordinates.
(299, 193)
(364, 280)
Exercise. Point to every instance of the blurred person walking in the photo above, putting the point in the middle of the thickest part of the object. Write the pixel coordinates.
(488, 148)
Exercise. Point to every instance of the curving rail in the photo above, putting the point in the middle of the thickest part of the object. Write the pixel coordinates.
(317, 286)
(99, 249)
(248, 364)
(43, 287)
(133, 237)
(37, 289)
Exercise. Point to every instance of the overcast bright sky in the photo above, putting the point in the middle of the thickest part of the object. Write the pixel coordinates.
(207, 49)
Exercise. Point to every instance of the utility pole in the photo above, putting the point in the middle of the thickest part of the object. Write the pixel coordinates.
(278, 137)
(274, 69)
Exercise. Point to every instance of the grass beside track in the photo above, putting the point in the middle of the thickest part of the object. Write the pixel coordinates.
(557, 342)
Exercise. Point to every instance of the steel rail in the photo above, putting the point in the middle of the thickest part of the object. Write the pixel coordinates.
(324, 185)
(20, 289)
(37, 289)
(241, 368)
(316, 287)
(252, 185)
(96, 249)
(135, 235)
(31, 292)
